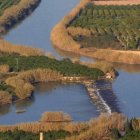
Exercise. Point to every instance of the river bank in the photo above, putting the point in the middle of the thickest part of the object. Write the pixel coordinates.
(37, 69)
(67, 43)
(12, 16)
(16, 13)
(105, 122)
(114, 126)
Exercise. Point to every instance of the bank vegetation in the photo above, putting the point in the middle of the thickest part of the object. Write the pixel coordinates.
(12, 12)
(64, 32)
(105, 127)
(22, 83)
(9, 48)
(19, 73)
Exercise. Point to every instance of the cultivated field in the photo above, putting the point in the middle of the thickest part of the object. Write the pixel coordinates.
(4, 4)
(110, 26)
(111, 32)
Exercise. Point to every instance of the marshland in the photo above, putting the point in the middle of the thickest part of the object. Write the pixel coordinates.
(27, 66)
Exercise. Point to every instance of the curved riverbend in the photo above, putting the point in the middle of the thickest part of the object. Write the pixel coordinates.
(16, 13)
(35, 31)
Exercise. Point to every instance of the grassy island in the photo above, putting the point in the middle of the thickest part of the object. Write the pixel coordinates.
(24, 71)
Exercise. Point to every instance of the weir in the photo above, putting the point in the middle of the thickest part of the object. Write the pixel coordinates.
(96, 90)
(31, 33)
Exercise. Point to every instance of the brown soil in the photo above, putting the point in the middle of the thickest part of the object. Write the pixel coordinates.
(116, 2)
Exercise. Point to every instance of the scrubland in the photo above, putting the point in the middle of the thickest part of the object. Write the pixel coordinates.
(105, 127)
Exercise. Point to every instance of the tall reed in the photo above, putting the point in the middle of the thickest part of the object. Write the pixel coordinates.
(24, 80)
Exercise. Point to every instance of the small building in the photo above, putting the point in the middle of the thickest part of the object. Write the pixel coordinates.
(108, 76)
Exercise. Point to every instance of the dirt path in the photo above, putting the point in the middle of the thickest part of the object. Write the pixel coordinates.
(116, 2)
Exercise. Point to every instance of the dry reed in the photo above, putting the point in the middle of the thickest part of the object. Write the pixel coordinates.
(14, 12)
(98, 128)
(62, 39)
(76, 31)
(10, 48)
(5, 97)
(55, 117)
(4, 68)
(23, 81)
(60, 36)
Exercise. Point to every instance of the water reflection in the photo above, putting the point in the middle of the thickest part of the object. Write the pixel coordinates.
(46, 87)
(127, 67)
(72, 56)
(119, 66)
(5, 109)
(23, 104)
(52, 96)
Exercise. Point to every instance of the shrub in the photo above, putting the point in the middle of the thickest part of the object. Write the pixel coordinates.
(76, 31)
(23, 81)
(60, 36)
(55, 117)
(5, 97)
(10, 48)
(4, 68)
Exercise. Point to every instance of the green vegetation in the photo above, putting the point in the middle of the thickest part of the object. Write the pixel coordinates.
(109, 127)
(37, 69)
(120, 22)
(133, 135)
(21, 135)
(5, 87)
(102, 41)
(132, 131)
(64, 67)
(4, 4)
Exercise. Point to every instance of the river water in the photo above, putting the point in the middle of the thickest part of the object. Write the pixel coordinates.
(72, 98)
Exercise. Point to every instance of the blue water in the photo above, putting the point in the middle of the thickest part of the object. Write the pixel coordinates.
(70, 98)
(127, 89)
(35, 31)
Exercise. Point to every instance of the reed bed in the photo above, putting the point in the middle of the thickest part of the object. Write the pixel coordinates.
(15, 13)
(4, 68)
(10, 16)
(76, 31)
(98, 128)
(55, 117)
(9, 48)
(116, 2)
(60, 36)
(5, 97)
(101, 128)
(24, 80)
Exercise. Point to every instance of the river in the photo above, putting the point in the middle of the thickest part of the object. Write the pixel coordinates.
(72, 98)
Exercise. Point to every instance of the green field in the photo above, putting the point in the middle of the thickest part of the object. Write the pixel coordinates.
(120, 22)
(4, 4)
